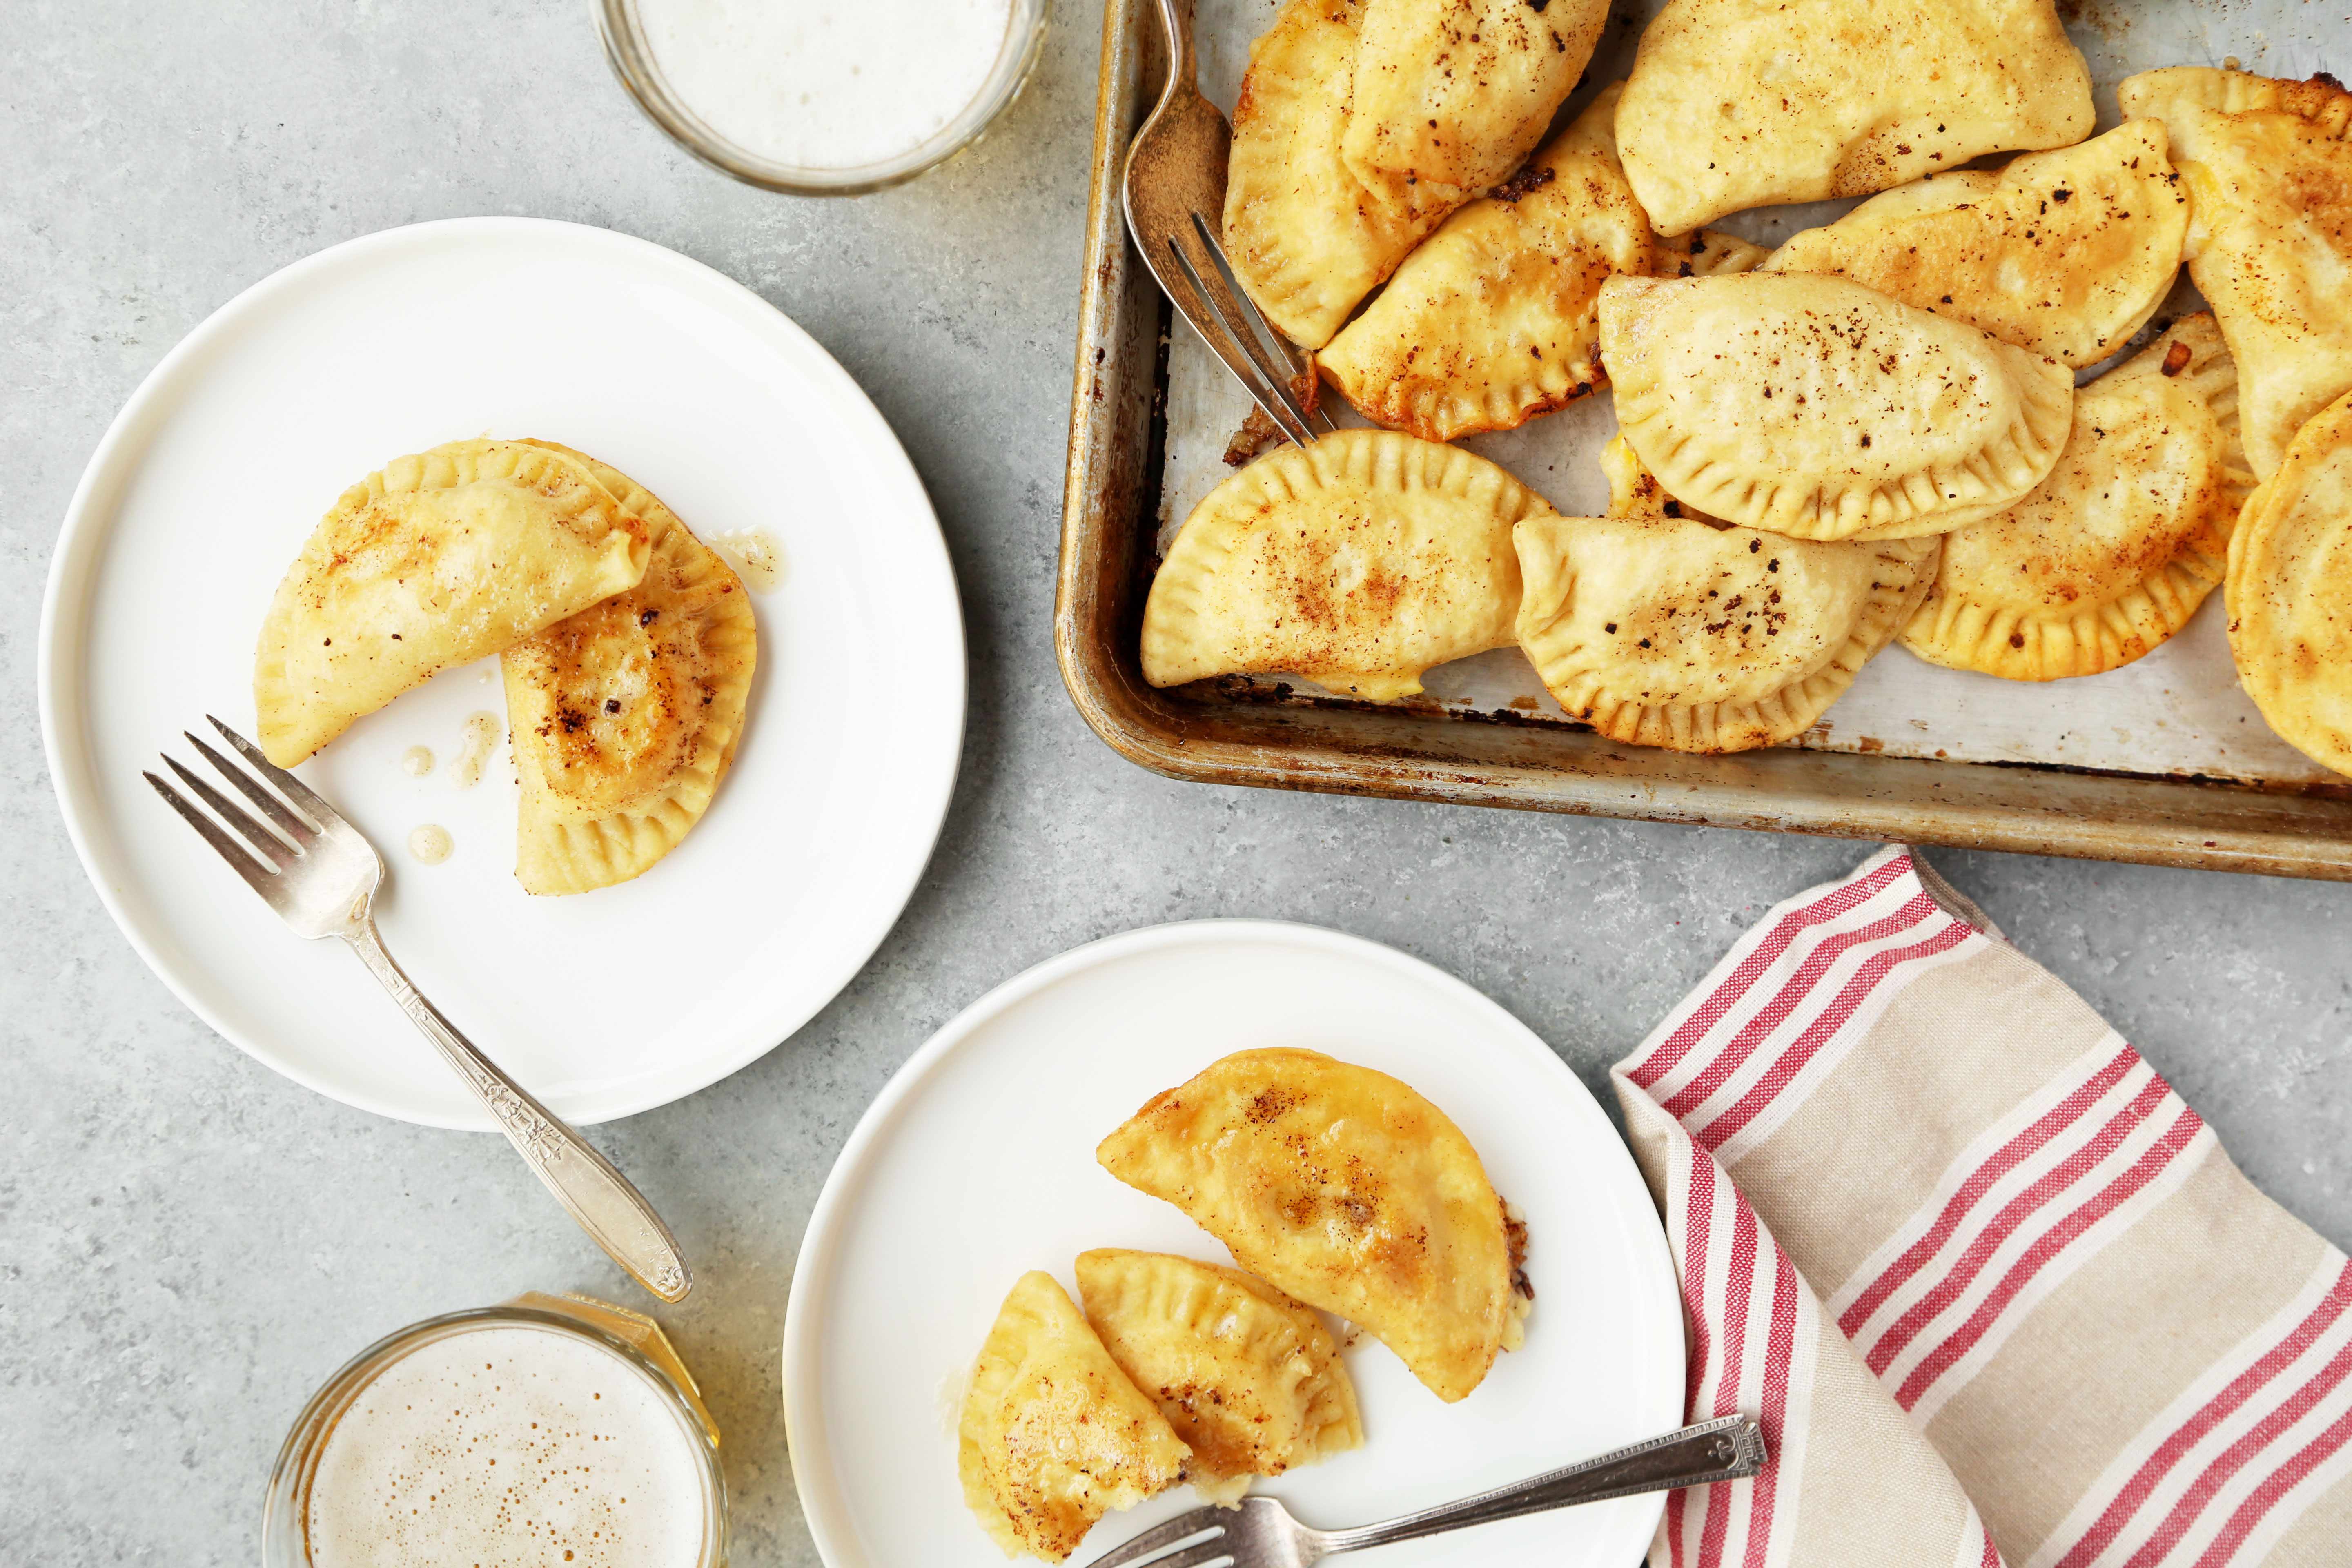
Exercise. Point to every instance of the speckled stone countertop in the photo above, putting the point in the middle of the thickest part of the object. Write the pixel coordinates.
(189, 1243)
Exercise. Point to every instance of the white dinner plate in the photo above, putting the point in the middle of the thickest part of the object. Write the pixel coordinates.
(602, 1002)
(977, 1163)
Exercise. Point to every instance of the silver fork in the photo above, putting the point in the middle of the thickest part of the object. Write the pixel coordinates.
(320, 874)
(1174, 197)
(1262, 1534)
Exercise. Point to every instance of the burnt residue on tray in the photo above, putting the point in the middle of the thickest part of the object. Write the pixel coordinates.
(2102, 17)
(2325, 789)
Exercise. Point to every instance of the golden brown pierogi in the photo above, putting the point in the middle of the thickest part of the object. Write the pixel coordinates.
(1346, 1189)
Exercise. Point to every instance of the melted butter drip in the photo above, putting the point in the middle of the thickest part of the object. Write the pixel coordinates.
(484, 731)
(417, 762)
(430, 843)
(756, 556)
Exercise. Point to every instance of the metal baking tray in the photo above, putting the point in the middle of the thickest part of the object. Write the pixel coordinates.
(1272, 735)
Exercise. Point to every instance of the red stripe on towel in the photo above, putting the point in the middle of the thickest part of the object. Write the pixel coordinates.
(2220, 1407)
(2110, 1198)
(2011, 1156)
(1840, 900)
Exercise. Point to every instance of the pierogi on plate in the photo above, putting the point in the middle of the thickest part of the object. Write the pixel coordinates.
(1250, 1379)
(1344, 1188)
(438, 560)
(1819, 408)
(625, 716)
(2112, 553)
(1052, 1434)
(627, 644)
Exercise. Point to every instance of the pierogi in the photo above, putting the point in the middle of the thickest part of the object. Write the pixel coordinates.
(1358, 562)
(440, 559)
(1052, 1434)
(625, 716)
(1491, 321)
(1674, 632)
(2064, 254)
(1819, 408)
(2290, 592)
(2269, 170)
(1250, 1379)
(1449, 96)
(1304, 236)
(1634, 492)
(2112, 553)
(1346, 1189)
(1704, 253)
(1735, 104)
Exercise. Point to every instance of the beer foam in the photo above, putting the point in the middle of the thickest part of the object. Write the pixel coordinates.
(508, 1444)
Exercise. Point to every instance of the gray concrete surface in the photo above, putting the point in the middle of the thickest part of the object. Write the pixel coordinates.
(188, 1243)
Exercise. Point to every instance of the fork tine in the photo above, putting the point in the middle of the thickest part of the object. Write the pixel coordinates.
(1161, 1537)
(1254, 324)
(1271, 396)
(256, 876)
(294, 789)
(1269, 350)
(280, 854)
(285, 821)
(1271, 354)
(1217, 1549)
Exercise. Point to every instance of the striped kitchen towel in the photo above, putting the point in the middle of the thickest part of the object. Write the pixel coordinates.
(1995, 1291)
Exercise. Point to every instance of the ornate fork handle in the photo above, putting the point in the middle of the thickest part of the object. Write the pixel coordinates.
(608, 1208)
(1715, 1451)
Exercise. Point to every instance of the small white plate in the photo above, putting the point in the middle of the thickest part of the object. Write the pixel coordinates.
(977, 1163)
(223, 462)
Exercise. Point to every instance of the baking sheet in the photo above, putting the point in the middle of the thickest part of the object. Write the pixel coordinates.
(2179, 711)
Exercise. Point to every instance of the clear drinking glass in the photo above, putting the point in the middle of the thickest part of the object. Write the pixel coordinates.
(632, 1336)
(632, 59)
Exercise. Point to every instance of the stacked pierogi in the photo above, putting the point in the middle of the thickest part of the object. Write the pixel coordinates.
(1872, 434)
(627, 645)
(1180, 1371)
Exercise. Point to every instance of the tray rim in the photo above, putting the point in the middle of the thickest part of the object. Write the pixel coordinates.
(2208, 824)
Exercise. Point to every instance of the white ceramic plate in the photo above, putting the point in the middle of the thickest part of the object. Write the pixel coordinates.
(602, 1002)
(977, 1163)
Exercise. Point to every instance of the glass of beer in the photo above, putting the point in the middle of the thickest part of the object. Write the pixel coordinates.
(553, 1429)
